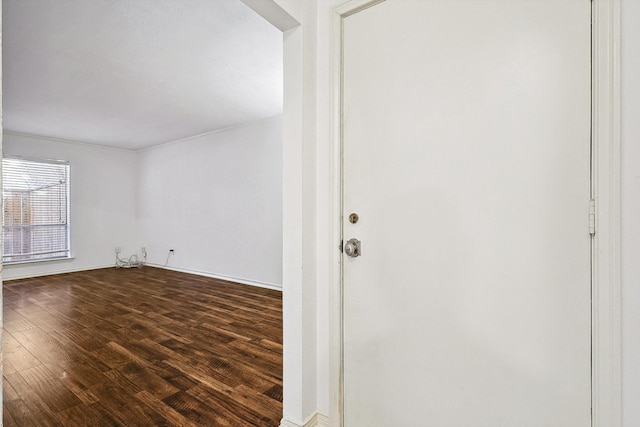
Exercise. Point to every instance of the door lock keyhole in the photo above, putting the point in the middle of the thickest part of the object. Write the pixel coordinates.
(353, 218)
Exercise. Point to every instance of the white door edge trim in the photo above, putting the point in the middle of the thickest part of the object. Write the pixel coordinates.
(606, 281)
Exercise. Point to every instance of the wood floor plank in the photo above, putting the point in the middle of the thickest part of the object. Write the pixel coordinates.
(49, 388)
(170, 414)
(17, 323)
(85, 415)
(80, 337)
(16, 356)
(141, 347)
(259, 402)
(16, 413)
(228, 405)
(196, 411)
(124, 406)
(39, 409)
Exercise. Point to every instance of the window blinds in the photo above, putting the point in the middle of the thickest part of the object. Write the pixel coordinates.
(35, 214)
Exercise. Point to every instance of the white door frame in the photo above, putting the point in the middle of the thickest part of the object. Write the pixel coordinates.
(606, 283)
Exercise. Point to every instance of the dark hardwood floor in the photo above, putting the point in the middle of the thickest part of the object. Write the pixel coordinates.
(141, 347)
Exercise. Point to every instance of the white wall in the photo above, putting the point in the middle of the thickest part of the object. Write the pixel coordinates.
(103, 191)
(215, 199)
(630, 135)
(301, 252)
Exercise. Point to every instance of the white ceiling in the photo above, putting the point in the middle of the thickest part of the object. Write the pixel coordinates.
(136, 73)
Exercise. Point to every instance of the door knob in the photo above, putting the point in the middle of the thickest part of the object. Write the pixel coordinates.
(353, 248)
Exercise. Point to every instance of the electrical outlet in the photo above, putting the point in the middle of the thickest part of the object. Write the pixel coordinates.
(118, 249)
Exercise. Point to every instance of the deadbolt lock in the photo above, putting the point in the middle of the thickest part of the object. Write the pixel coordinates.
(353, 248)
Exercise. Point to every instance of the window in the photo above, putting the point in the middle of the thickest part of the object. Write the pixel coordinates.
(35, 210)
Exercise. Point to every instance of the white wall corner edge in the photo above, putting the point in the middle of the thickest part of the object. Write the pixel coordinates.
(316, 420)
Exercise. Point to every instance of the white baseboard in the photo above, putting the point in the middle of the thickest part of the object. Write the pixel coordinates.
(316, 420)
(45, 273)
(221, 277)
(19, 276)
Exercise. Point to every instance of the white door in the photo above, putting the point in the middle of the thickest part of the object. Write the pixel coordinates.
(466, 153)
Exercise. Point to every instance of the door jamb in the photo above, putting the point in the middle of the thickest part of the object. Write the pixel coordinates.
(338, 13)
(606, 279)
(605, 180)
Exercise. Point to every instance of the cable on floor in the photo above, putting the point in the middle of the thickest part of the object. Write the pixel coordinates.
(131, 262)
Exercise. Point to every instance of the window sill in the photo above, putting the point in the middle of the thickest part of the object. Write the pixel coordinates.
(37, 261)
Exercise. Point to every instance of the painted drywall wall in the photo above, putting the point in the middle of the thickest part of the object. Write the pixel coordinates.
(300, 231)
(103, 190)
(630, 226)
(216, 200)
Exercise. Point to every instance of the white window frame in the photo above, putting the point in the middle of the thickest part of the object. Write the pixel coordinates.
(40, 256)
